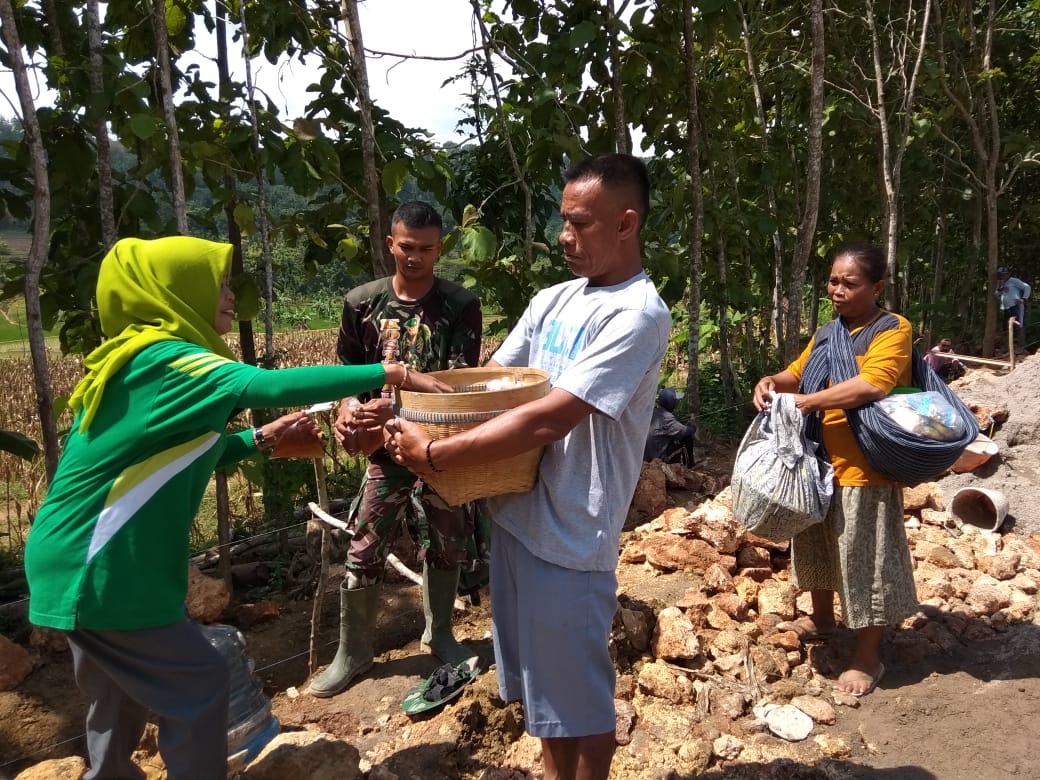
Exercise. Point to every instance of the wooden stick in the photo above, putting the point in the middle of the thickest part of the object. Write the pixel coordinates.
(392, 559)
(323, 575)
(1012, 322)
(973, 359)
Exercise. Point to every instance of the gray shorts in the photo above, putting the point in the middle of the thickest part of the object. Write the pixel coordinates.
(551, 633)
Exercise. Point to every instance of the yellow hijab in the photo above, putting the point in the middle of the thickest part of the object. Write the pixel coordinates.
(151, 291)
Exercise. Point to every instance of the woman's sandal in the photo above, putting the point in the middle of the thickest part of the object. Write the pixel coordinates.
(806, 629)
(855, 675)
(443, 685)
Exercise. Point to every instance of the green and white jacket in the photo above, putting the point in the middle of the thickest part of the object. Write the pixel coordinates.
(109, 546)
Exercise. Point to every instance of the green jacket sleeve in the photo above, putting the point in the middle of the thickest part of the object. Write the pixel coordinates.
(237, 445)
(310, 385)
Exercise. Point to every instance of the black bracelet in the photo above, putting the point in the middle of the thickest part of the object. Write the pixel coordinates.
(429, 458)
(259, 440)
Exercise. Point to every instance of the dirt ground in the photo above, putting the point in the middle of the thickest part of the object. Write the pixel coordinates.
(967, 713)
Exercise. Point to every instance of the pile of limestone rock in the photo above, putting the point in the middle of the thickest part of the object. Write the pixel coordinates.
(701, 668)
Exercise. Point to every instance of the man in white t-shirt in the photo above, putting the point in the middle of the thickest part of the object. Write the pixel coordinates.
(601, 337)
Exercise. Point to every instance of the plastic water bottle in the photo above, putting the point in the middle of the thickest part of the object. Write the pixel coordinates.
(250, 722)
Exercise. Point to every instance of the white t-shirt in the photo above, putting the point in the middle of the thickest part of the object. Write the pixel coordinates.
(603, 345)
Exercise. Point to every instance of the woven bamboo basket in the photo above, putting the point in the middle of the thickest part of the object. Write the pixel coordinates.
(444, 414)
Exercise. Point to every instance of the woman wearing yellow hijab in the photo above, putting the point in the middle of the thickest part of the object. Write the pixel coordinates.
(107, 556)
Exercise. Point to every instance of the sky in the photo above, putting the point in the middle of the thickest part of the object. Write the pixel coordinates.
(409, 90)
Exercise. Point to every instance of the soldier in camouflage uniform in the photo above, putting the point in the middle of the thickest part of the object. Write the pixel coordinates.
(430, 324)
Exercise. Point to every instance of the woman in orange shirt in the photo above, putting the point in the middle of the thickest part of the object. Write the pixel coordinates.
(860, 550)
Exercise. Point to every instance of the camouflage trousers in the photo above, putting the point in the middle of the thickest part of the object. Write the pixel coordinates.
(392, 499)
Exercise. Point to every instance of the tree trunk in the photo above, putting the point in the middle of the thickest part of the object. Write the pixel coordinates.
(262, 225)
(373, 191)
(890, 208)
(162, 57)
(506, 135)
(771, 199)
(938, 263)
(39, 249)
(106, 200)
(811, 207)
(893, 151)
(622, 139)
(245, 327)
(695, 224)
(726, 373)
(992, 188)
(979, 112)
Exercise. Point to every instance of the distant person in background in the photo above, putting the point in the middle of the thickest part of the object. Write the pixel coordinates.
(669, 439)
(1012, 293)
(945, 366)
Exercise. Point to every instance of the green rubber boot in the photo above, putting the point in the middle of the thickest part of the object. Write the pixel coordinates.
(438, 599)
(357, 621)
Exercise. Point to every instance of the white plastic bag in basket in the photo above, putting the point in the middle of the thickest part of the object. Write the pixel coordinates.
(780, 485)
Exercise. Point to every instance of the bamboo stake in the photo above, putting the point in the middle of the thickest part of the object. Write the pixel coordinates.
(323, 575)
(1011, 341)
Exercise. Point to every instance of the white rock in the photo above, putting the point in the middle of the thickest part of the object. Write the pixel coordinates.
(785, 720)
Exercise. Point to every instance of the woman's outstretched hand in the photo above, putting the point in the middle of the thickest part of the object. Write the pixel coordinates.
(295, 435)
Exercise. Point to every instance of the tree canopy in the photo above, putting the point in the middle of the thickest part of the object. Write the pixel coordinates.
(924, 113)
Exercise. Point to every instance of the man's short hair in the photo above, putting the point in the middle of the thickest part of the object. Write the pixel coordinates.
(619, 172)
(416, 214)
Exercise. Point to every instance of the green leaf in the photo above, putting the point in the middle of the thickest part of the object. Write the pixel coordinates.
(247, 296)
(347, 248)
(478, 244)
(244, 218)
(584, 33)
(58, 405)
(142, 126)
(394, 174)
(16, 444)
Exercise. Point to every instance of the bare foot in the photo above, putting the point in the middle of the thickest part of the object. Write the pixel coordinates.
(858, 682)
(808, 628)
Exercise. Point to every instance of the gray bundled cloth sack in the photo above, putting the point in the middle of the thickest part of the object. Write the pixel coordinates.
(780, 484)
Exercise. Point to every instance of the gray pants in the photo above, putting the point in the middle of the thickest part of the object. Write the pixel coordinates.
(172, 671)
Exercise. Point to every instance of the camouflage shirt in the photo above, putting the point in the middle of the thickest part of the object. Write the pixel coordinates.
(439, 331)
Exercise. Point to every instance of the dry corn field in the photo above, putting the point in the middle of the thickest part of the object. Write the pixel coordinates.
(24, 481)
